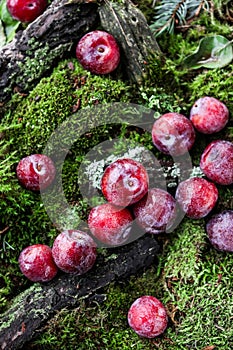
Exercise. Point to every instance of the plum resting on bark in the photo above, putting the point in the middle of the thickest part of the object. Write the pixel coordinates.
(37, 264)
(98, 52)
(74, 251)
(26, 10)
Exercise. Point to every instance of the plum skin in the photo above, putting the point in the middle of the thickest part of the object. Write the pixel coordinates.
(74, 251)
(36, 172)
(156, 211)
(196, 197)
(147, 316)
(98, 52)
(209, 115)
(124, 182)
(37, 264)
(219, 230)
(26, 10)
(217, 162)
(110, 224)
(173, 133)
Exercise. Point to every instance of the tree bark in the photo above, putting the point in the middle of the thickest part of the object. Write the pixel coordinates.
(35, 50)
(33, 308)
(129, 26)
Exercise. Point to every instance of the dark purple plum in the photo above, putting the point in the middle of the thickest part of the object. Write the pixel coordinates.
(219, 229)
(156, 211)
(217, 162)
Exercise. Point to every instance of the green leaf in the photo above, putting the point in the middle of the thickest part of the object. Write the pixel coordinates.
(213, 52)
(9, 24)
(2, 35)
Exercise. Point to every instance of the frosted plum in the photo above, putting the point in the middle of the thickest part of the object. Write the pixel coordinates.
(217, 162)
(219, 229)
(197, 197)
(209, 115)
(110, 224)
(124, 182)
(147, 316)
(98, 52)
(36, 172)
(74, 251)
(156, 211)
(173, 134)
(37, 264)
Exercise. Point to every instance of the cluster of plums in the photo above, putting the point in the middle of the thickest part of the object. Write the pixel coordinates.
(125, 185)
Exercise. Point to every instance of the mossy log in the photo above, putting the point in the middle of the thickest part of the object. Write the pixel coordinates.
(33, 308)
(35, 50)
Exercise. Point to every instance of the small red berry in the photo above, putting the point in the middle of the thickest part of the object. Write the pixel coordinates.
(98, 52)
(209, 115)
(124, 182)
(74, 251)
(36, 172)
(37, 264)
(110, 224)
(26, 10)
(147, 316)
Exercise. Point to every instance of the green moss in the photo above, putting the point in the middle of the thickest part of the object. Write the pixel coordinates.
(215, 82)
